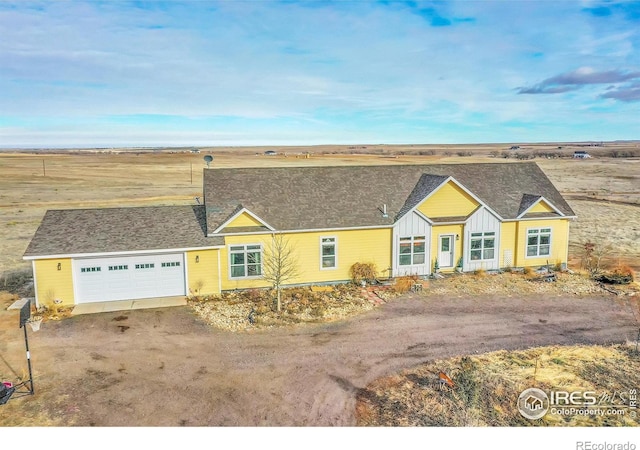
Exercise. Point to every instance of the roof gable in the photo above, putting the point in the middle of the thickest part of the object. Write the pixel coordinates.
(538, 206)
(448, 200)
(242, 220)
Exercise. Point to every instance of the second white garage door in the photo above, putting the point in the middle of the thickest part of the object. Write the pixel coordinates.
(129, 277)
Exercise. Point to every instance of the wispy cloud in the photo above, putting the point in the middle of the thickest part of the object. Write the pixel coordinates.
(629, 93)
(571, 81)
(316, 71)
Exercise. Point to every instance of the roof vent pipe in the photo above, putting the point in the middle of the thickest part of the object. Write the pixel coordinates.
(384, 211)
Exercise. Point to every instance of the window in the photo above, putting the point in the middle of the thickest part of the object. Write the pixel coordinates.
(123, 267)
(245, 261)
(171, 264)
(482, 246)
(328, 253)
(145, 266)
(90, 269)
(539, 242)
(412, 250)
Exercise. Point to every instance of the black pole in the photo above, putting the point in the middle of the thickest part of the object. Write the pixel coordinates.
(26, 344)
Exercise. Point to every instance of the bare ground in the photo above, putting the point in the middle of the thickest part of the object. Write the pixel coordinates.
(166, 367)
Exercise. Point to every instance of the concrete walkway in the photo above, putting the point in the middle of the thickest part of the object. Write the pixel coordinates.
(125, 305)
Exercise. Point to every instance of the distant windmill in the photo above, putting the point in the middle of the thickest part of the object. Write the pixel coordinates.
(208, 159)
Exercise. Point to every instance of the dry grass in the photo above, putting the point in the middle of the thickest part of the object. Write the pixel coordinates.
(91, 179)
(405, 283)
(255, 308)
(514, 283)
(487, 388)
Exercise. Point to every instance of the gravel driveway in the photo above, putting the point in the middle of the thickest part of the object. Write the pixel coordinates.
(165, 367)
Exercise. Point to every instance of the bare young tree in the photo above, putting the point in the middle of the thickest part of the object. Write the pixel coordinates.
(279, 265)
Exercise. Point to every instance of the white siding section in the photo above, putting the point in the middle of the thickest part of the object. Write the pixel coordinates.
(411, 225)
(481, 221)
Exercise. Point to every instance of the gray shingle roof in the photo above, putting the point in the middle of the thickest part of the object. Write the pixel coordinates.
(527, 201)
(77, 231)
(290, 198)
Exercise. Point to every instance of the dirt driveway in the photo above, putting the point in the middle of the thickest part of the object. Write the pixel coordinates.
(165, 367)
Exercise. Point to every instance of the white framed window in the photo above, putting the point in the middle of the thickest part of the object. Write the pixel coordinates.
(412, 250)
(245, 261)
(328, 253)
(171, 264)
(145, 266)
(122, 267)
(482, 246)
(538, 242)
(90, 269)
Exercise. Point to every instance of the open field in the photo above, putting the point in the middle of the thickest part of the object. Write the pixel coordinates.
(603, 191)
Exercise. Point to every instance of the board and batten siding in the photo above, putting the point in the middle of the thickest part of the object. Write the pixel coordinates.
(53, 284)
(352, 246)
(411, 225)
(480, 222)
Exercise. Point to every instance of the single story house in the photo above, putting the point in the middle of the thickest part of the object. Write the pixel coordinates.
(406, 219)
(581, 154)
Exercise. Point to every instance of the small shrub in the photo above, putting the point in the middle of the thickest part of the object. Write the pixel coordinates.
(363, 272)
(405, 283)
(480, 273)
(528, 271)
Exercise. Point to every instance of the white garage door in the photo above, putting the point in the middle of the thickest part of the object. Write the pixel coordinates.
(129, 277)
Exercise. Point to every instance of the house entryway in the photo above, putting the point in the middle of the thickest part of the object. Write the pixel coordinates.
(445, 250)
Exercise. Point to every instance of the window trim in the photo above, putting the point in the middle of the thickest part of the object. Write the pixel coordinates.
(412, 241)
(494, 236)
(538, 234)
(245, 264)
(335, 252)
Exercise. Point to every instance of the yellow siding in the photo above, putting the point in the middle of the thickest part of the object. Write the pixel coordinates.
(244, 220)
(448, 201)
(53, 284)
(541, 206)
(364, 246)
(559, 242)
(202, 276)
(436, 231)
(508, 240)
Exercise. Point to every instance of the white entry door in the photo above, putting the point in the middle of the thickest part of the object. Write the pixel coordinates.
(445, 250)
(129, 277)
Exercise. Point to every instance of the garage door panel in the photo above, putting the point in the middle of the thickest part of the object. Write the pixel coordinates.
(129, 277)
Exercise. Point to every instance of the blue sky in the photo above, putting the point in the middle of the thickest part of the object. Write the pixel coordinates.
(262, 72)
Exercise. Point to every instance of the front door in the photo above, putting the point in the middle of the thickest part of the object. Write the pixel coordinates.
(445, 253)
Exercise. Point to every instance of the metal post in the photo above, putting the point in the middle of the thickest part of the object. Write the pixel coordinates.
(26, 343)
